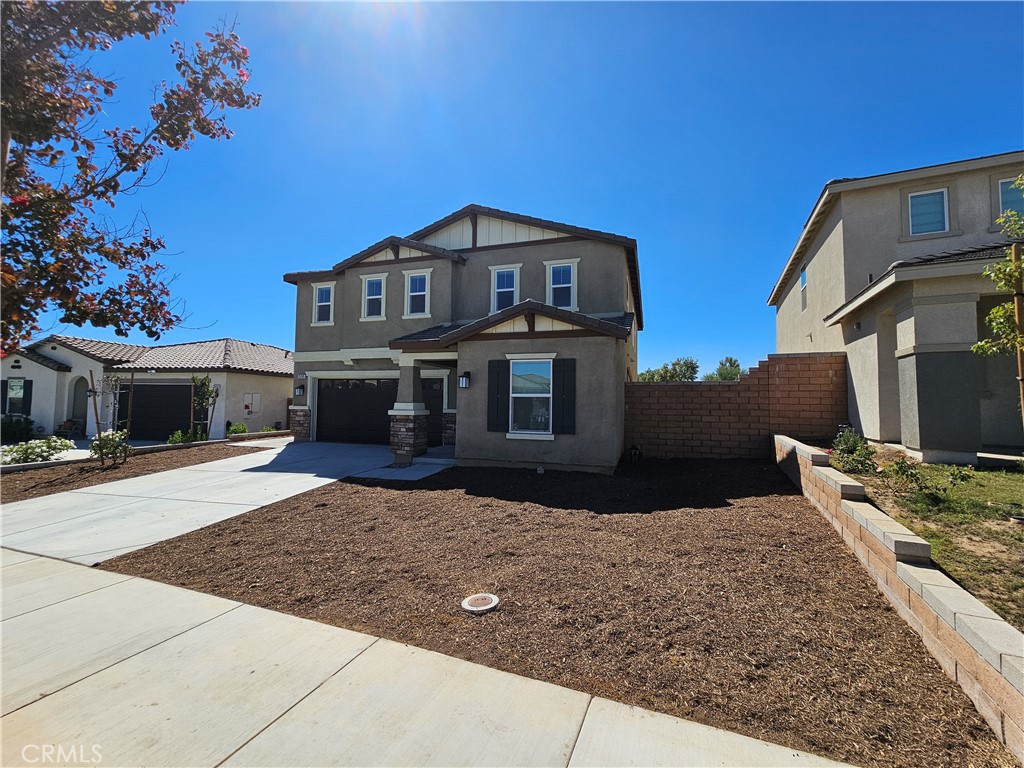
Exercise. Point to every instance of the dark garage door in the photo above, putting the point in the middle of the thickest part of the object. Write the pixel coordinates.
(158, 410)
(356, 410)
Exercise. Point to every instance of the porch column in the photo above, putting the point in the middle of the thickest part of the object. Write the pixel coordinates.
(938, 377)
(409, 416)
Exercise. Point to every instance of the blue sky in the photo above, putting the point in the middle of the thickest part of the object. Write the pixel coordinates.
(705, 131)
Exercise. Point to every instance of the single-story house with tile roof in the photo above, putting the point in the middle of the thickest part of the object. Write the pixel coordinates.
(53, 382)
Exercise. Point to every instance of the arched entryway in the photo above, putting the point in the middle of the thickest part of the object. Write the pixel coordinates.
(78, 407)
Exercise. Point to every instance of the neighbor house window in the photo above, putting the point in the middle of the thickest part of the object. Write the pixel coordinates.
(929, 212)
(417, 293)
(17, 397)
(1010, 198)
(323, 303)
(803, 287)
(562, 283)
(530, 396)
(374, 287)
(504, 287)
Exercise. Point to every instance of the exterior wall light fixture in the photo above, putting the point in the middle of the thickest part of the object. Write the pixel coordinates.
(464, 380)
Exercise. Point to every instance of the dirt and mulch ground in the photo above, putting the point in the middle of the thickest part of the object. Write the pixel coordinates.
(706, 590)
(31, 483)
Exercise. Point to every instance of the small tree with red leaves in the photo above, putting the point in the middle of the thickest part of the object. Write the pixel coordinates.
(61, 172)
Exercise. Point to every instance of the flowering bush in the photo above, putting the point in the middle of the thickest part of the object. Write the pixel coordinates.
(110, 445)
(35, 450)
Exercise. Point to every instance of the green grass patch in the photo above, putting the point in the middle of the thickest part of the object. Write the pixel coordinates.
(965, 517)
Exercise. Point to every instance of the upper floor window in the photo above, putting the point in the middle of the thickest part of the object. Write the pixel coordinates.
(1010, 197)
(562, 283)
(323, 303)
(504, 286)
(374, 292)
(417, 293)
(929, 212)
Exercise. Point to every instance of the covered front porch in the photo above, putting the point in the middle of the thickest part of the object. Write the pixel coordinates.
(915, 381)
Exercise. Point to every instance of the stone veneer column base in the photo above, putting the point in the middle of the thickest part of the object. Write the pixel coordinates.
(408, 437)
(298, 417)
(448, 429)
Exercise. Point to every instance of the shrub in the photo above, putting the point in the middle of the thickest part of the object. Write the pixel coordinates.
(852, 453)
(195, 435)
(15, 429)
(35, 450)
(903, 478)
(239, 429)
(110, 445)
(267, 429)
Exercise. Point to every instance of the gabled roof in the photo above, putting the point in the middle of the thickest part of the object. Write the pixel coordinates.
(216, 355)
(41, 359)
(446, 335)
(106, 352)
(591, 234)
(833, 188)
(394, 241)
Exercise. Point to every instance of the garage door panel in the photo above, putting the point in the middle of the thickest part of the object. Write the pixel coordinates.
(157, 410)
(356, 410)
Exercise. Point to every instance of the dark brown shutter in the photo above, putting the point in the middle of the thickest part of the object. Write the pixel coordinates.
(3, 398)
(497, 395)
(26, 403)
(563, 397)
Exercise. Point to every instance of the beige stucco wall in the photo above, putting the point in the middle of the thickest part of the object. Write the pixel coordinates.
(875, 221)
(44, 389)
(274, 393)
(867, 231)
(802, 330)
(458, 292)
(598, 442)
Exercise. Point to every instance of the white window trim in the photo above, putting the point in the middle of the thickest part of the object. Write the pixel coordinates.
(523, 434)
(316, 289)
(945, 211)
(494, 273)
(574, 263)
(409, 274)
(531, 356)
(383, 277)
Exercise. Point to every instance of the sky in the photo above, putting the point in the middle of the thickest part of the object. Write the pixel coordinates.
(705, 131)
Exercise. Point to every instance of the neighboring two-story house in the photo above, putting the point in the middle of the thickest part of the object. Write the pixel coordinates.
(507, 336)
(889, 269)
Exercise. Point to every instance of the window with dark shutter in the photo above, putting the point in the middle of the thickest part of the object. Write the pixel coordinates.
(563, 405)
(497, 395)
(17, 397)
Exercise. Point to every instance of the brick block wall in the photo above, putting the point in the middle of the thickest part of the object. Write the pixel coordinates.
(973, 645)
(803, 395)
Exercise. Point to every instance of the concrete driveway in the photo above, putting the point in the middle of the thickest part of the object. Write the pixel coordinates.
(94, 524)
(105, 669)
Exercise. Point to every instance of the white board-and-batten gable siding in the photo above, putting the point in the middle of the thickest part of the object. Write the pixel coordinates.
(490, 231)
(541, 323)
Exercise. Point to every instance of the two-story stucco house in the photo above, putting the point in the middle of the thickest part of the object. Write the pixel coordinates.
(507, 336)
(889, 269)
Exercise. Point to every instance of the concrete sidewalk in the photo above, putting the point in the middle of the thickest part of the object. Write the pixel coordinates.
(117, 670)
(95, 524)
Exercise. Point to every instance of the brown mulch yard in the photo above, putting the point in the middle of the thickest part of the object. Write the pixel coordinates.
(706, 590)
(31, 483)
